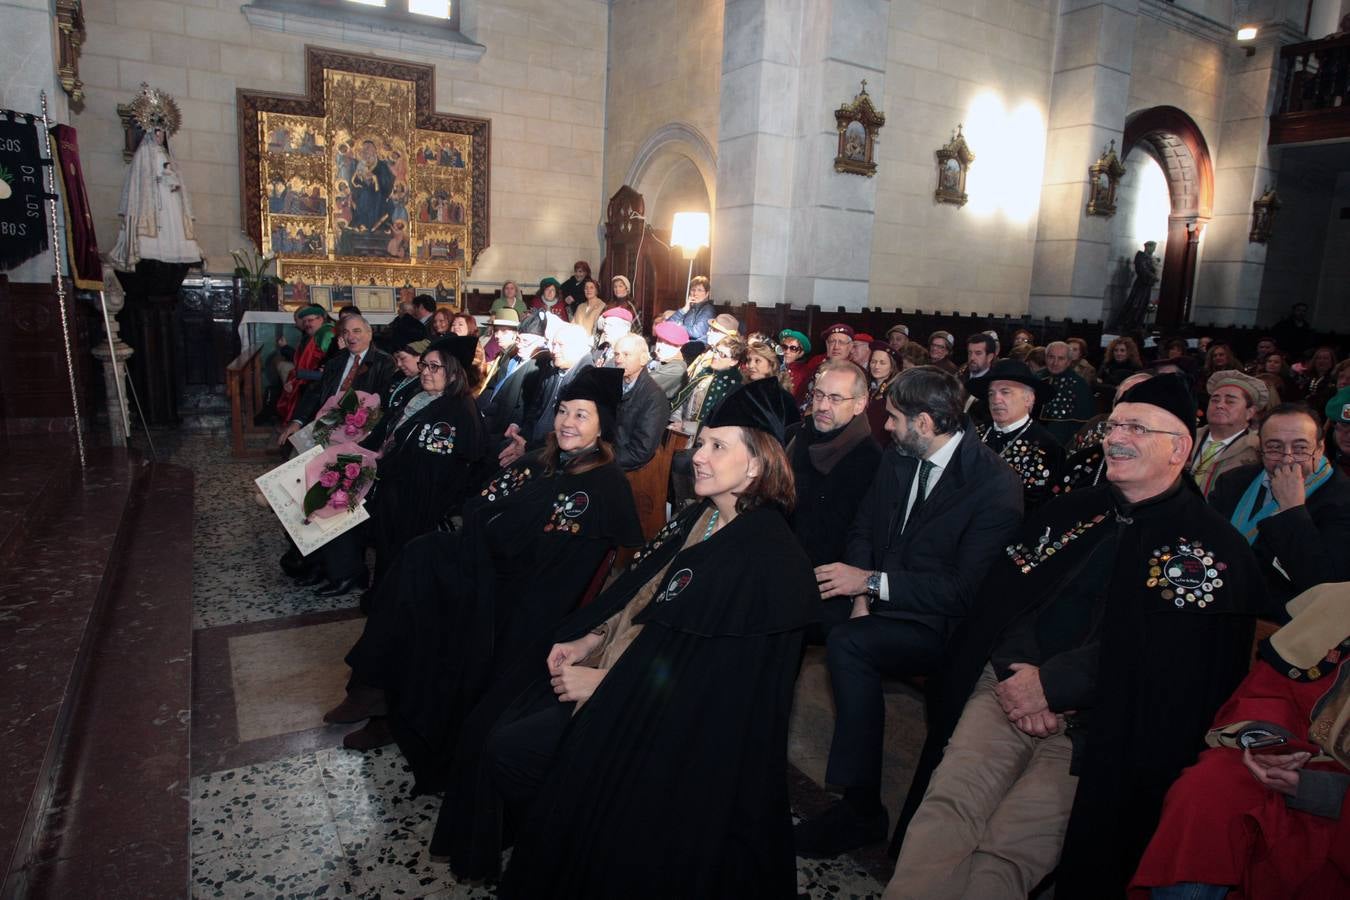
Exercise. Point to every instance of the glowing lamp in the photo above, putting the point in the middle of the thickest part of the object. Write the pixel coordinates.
(689, 232)
(1247, 33)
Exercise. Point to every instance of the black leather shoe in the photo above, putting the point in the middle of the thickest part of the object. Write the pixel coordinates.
(311, 578)
(345, 586)
(839, 829)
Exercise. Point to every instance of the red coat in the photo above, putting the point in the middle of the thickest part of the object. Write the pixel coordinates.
(802, 373)
(1220, 826)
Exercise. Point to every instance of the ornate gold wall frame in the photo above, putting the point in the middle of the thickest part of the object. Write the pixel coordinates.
(953, 164)
(70, 38)
(1263, 216)
(1103, 181)
(858, 123)
(360, 183)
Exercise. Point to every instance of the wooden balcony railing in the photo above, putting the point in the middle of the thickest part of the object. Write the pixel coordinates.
(1314, 103)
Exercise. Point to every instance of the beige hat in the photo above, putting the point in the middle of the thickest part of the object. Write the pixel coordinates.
(1255, 389)
(903, 329)
(726, 323)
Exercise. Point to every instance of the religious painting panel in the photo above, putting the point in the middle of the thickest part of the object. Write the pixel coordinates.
(360, 184)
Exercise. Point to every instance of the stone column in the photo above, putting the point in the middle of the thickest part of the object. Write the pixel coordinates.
(788, 228)
(1089, 100)
(113, 352)
(1228, 287)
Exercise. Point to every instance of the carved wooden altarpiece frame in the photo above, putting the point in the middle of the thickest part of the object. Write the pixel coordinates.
(953, 164)
(858, 123)
(361, 182)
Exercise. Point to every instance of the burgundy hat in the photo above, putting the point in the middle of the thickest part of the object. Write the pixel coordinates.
(672, 333)
(837, 328)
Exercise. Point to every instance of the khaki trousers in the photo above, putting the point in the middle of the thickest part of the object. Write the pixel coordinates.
(992, 821)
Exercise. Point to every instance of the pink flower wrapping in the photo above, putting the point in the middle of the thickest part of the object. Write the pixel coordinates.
(327, 464)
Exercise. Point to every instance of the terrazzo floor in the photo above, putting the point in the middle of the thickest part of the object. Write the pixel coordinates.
(296, 815)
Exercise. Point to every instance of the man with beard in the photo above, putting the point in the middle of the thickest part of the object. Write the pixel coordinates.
(940, 510)
(1014, 435)
(834, 458)
(981, 354)
(1104, 639)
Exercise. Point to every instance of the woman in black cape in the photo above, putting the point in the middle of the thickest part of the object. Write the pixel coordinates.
(431, 443)
(454, 605)
(662, 717)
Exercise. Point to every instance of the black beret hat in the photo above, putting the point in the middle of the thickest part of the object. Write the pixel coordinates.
(533, 324)
(762, 405)
(1016, 370)
(604, 388)
(1169, 391)
(461, 346)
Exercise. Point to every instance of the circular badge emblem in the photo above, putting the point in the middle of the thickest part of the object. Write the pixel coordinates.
(1186, 574)
(678, 582)
(1185, 571)
(576, 504)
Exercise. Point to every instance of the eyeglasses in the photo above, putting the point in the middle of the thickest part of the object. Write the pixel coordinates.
(835, 399)
(1134, 429)
(1279, 451)
(430, 367)
(792, 348)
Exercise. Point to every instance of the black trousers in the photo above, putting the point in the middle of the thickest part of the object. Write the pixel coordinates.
(520, 752)
(345, 556)
(858, 653)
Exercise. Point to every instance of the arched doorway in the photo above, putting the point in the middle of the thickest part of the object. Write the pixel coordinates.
(1176, 143)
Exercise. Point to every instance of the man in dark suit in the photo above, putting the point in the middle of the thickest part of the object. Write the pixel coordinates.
(644, 409)
(502, 401)
(1293, 507)
(411, 324)
(941, 509)
(361, 368)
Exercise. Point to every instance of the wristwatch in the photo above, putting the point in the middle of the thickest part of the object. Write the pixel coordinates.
(874, 585)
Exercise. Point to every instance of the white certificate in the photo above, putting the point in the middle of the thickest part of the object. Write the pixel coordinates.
(284, 488)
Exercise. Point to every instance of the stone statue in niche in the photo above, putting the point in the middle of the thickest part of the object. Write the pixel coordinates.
(858, 123)
(953, 164)
(157, 222)
(1135, 310)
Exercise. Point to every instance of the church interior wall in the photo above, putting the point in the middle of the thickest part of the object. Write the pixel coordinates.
(945, 63)
(665, 67)
(1331, 310)
(1143, 205)
(541, 82)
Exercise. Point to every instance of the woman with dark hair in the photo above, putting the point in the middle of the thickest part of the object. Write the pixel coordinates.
(429, 450)
(455, 606)
(651, 738)
(1120, 361)
(882, 369)
(570, 290)
(463, 324)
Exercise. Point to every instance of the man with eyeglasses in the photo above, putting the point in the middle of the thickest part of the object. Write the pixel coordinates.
(936, 516)
(1099, 646)
(1293, 507)
(838, 340)
(834, 458)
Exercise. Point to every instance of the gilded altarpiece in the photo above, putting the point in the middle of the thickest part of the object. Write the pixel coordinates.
(361, 183)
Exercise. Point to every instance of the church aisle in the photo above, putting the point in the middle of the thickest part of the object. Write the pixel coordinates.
(279, 808)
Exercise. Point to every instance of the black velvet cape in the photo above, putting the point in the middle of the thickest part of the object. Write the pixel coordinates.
(672, 779)
(1162, 671)
(454, 606)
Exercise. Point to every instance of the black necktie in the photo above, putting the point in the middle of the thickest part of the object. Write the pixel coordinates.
(925, 469)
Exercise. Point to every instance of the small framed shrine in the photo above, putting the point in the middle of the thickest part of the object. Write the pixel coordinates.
(1263, 216)
(360, 183)
(953, 164)
(858, 123)
(1104, 180)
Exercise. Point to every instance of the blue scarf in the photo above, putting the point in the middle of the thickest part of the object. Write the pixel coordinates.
(1246, 517)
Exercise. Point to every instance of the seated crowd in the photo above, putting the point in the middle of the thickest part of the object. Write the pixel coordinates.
(1072, 555)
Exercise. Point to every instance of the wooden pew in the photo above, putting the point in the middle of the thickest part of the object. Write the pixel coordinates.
(243, 385)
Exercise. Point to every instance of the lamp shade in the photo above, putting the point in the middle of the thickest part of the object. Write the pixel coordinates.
(1247, 33)
(689, 232)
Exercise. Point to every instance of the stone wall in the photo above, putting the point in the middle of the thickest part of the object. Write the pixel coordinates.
(941, 57)
(665, 69)
(541, 81)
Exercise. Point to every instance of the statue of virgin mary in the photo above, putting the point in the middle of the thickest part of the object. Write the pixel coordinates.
(155, 211)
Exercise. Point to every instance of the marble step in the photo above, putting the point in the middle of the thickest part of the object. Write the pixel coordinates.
(119, 813)
(55, 579)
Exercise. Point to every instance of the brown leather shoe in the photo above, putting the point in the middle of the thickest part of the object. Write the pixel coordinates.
(360, 703)
(376, 733)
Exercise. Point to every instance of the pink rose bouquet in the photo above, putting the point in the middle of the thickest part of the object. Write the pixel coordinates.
(347, 418)
(337, 480)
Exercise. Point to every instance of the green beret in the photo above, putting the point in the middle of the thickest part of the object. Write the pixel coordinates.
(311, 310)
(1338, 407)
(798, 337)
(547, 281)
